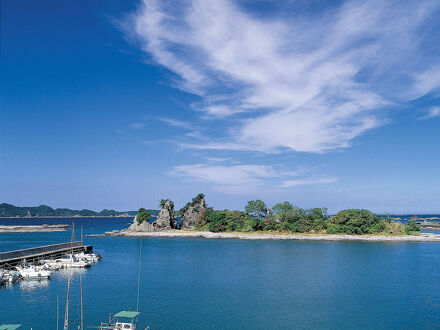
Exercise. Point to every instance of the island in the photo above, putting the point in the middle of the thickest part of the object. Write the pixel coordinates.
(33, 228)
(44, 211)
(281, 222)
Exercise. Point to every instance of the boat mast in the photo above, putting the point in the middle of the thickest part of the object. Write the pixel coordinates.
(139, 275)
(66, 313)
(81, 288)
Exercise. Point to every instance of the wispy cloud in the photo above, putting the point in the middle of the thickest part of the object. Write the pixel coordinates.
(243, 178)
(309, 84)
(311, 181)
(176, 123)
(137, 125)
(431, 113)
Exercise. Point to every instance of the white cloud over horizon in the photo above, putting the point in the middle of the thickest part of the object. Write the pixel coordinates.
(245, 178)
(307, 85)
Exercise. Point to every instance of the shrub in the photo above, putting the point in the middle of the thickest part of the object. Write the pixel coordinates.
(412, 226)
(142, 216)
(355, 221)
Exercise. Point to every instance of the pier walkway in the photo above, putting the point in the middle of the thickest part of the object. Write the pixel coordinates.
(12, 258)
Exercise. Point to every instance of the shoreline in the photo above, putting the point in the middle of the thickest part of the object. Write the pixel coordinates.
(33, 229)
(426, 237)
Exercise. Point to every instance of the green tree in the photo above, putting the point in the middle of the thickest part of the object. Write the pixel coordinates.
(412, 226)
(355, 221)
(142, 216)
(256, 208)
(282, 208)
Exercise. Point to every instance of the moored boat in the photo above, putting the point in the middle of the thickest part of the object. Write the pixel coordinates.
(33, 272)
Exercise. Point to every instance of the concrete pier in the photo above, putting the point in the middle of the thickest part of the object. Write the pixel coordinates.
(11, 259)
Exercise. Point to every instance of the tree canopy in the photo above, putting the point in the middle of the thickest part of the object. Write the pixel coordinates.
(143, 215)
(256, 208)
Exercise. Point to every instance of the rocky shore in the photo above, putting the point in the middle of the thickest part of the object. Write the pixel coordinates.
(279, 236)
(33, 228)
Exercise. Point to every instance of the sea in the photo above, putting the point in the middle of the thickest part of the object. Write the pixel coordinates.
(195, 283)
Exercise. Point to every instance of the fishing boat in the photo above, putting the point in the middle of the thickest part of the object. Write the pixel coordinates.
(33, 272)
(52, 264)
(122, 320)
(70, 261)
(90, 257)
(11, 276)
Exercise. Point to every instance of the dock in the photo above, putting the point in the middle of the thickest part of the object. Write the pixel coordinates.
(10, 259)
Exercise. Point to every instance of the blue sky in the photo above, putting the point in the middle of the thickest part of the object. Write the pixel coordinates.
(117, 104)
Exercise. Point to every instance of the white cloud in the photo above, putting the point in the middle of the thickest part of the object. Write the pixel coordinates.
(306, 84)
(225, 175)
(427, 81)
(302, 182)
(431, 113)
(218, 159)
(175, 123)
(244, 178)
(137, 125)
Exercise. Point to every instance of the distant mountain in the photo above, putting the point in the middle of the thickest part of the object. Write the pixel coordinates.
(8, 210)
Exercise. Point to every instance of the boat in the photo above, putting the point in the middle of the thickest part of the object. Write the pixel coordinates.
(122, 320)
(52, 264)
(33, 272)
(11, 276)
(70, 261)
(9, 326)
(90, 257)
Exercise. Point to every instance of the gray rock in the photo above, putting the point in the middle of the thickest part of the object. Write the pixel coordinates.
(165, 220)
(144, 226)
(192, 212)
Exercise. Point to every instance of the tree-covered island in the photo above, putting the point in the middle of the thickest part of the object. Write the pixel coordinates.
(281, 218)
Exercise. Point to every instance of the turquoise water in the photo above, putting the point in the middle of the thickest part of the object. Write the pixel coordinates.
(191, 283)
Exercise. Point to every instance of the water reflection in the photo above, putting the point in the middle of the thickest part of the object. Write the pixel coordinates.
(33, 284)
(71, 272)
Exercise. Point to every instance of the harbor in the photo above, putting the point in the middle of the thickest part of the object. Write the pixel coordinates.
(38, 263)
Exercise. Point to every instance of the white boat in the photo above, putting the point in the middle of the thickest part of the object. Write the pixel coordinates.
(122, 320)
(32, 272)
(2, 278)
(52, 264)
(11, 276)
(70, 261)
(90, 257)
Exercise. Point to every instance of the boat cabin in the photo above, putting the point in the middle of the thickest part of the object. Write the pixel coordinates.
(9, 326)
(125, 320)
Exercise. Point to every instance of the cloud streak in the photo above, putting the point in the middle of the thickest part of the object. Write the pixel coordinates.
(301, 84)
(244, 178)
(431, 113)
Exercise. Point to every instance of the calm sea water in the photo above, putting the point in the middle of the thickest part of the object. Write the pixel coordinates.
(231, 284)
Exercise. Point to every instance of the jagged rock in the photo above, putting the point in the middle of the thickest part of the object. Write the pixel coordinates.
(166, 216)
(165, 220)
(192, 212)
(144, 226)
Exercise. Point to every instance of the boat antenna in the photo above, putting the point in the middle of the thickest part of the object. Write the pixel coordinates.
(66, 313)
(139, 274)
(81, 289)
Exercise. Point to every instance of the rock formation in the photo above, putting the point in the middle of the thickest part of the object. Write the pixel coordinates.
(165, 220)
(192, 211)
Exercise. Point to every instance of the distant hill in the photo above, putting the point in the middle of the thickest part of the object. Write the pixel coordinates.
(8, 210)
